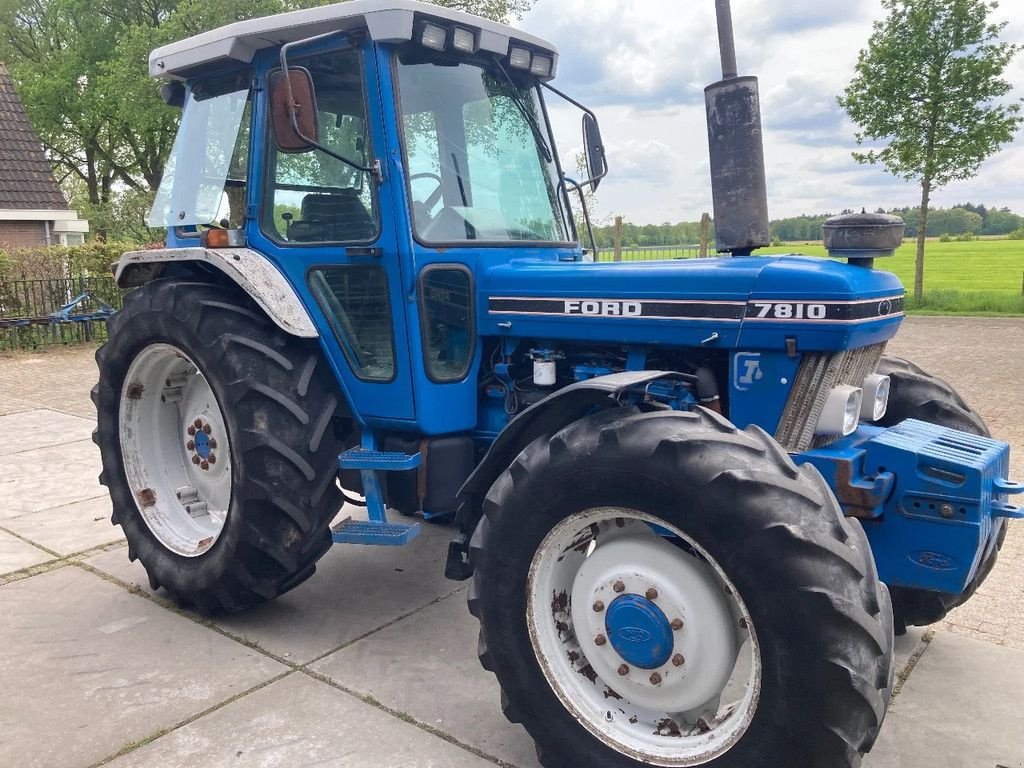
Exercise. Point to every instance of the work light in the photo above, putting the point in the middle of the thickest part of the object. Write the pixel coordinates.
(541, 65)
(519, 58)
(464, 40)
(434, 36)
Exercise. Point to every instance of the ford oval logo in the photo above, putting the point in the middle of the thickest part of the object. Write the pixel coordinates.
(935, 561)
(634, 635)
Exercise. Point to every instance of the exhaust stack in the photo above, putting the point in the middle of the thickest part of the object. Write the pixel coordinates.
(738, 184)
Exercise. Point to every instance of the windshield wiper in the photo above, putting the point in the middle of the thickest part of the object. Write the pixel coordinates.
(517, 98)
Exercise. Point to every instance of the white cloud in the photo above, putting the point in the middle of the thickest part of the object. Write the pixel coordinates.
(643, 64)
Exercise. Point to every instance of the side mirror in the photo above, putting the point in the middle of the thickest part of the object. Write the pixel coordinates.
(293, 110)
(597, 162)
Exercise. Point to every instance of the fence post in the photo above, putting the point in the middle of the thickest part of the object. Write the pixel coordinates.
(705, 230)
(618, 238)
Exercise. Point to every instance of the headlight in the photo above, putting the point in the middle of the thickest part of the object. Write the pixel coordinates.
(841, 413)
(434, 37)
(876, 397)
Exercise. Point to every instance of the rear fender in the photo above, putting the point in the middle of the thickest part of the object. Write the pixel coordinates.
(249, 269)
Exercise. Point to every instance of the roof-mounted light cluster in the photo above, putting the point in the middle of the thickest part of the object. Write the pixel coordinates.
(439, 37)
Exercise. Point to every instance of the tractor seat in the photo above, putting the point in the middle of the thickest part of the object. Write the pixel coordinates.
(339, 217)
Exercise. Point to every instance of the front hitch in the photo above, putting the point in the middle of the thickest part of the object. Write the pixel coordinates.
(932, 499)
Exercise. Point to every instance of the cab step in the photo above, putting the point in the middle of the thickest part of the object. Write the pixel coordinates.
(360, 458)
(350, 531)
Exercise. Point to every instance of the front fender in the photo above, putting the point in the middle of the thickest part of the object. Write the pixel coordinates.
(251, 270)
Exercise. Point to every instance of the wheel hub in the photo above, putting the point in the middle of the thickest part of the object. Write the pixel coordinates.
(639, 632)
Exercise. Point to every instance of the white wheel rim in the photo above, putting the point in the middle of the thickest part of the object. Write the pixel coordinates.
(708, 684)
(175, 450)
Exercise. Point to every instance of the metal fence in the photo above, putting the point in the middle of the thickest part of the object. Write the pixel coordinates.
(37, 313)
(653, 253)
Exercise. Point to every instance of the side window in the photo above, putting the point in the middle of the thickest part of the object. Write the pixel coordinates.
(445, 296)
(316, 198)
(355, 300)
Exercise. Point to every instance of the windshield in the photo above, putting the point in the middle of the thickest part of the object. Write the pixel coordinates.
(476, 149)
(205, 177)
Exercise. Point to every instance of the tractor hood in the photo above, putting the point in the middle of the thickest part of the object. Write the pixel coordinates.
(742, 303)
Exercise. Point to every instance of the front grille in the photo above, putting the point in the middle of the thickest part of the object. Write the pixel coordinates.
(819, 374)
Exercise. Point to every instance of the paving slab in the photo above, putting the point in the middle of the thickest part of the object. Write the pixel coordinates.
(71, 528)
(48, 477)
(299, 721)
(354, 591)
(960, 708)
(87, 667)
(427, 665)
(16, 554)
(41, 428)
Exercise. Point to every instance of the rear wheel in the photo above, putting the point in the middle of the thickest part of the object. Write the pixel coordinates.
(916, 394)
(218, 437)
(663, 589)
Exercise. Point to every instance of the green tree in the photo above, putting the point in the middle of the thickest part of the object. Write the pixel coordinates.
(928, 95)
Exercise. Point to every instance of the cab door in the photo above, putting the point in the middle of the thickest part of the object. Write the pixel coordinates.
(330, 228)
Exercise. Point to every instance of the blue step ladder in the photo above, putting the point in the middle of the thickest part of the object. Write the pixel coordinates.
(368, 461)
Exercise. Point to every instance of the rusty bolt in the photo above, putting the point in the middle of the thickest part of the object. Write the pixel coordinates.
(598, 606)
(147, 497)
(947, 511)
(561, 626)
(213, 444)
(207, 429)
(600, 640)
(655, 679)
(213, 458)
(677, 624)
(651, 594)
(619, 587)
(573, 656)
(191, 431)
(204, 466)
(134, 392)
(196, 460)
(623, 670)
(743, 623)
(678, 660)
(191, 445)
(198, 423)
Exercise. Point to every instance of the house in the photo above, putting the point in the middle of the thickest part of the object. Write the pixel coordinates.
(33, 210)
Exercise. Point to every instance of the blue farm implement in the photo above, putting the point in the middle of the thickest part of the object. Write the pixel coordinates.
(696, 498)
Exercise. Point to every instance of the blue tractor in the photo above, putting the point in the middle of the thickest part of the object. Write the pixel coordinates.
(695, 498)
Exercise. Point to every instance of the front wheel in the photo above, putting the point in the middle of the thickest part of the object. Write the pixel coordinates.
(217, 433)
(663, 589)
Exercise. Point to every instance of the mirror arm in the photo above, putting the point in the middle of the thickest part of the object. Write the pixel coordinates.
(588, 111)
(375, 168)
(578, 187)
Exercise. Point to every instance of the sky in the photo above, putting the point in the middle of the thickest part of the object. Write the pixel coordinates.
(642, 65)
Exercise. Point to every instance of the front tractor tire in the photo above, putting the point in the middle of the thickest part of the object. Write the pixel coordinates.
(663, 589)
(218, 438)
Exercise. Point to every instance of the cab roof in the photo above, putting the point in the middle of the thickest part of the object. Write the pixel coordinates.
(387, 21)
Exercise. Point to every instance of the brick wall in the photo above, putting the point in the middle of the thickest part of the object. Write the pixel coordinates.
(22, 234)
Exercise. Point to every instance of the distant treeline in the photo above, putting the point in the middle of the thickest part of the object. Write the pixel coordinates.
(959, 220)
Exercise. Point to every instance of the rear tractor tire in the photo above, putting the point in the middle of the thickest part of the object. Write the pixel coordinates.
(916, 394)
(218, 437)
(664, 589)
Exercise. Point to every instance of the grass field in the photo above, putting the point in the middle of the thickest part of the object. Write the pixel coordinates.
(976, 278)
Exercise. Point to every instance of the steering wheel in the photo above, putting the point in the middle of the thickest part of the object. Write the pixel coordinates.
(434, 196)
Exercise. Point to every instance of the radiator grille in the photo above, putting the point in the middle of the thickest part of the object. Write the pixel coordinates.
(819, 374)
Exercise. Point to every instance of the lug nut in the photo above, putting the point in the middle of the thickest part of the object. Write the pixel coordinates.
(207, 429)
(191, 431)
(600, 640)
(573, 656)
(619, 587)
(196, 460)
(561, 626)
(678, 660)
(598, 606)
(655, 679)
(198, 423)
(213, 458)
(204, 466)
(213, 444)
(191, 445)
(651, 594)
(677, 624)
(623, 670)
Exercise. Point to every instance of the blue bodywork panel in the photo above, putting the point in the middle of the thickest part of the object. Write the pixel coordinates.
(932, 500)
